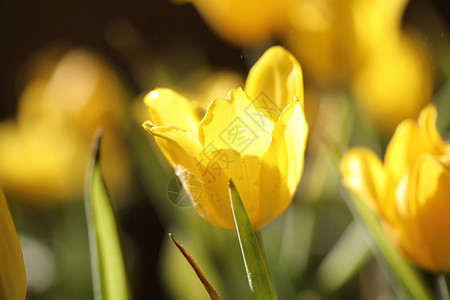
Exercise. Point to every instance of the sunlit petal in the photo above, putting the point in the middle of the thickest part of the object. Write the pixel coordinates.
(275, 81)
(427, 124)
(430, 195)
(235, 124)
(363, 173)
(283, 162)
(166, 107)
(206, 185)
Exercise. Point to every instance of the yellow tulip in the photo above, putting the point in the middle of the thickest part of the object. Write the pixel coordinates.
(320, 36)
(13, 281)
(361, 43)
(394, 84)
(255, 137)
(243, 23)
(410, 192)
(43, 153)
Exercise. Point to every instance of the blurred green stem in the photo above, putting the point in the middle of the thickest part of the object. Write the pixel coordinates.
(408, 276)
(443, 287)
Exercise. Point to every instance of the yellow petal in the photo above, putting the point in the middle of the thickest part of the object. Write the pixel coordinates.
(207, 186)
(363, 173)
(283, 162)
(430, 194)
(274, 81)
(178, 145)
(13, 282)
(249, 22)
(169, 108)
(244, 171)
(405, 147)
(395, 83)
(427, 124)
(235, 124)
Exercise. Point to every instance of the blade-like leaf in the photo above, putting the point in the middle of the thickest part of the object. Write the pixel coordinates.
(408, 276)
(257, 271)
(13, 281)
(108, 268)
(208, 287)
(344, 260)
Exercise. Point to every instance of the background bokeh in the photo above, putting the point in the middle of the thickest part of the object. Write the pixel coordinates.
(137, 46)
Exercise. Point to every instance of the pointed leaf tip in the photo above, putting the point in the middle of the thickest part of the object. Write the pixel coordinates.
(108, 268)
(257, 271)
(208, 287)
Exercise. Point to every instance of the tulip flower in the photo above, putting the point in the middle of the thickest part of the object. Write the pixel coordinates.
(410, 192)
(243, 23)
(361, 43)
(256, 137)
(43, 153)
(394, 84)
(13, 281)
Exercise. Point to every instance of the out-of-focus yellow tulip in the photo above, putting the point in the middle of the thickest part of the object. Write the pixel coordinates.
(395, 84)
(13, 281)
(361, 42)
(321, 36)
(43, 155)
(256, 138)
(411, 191)
(243, 23)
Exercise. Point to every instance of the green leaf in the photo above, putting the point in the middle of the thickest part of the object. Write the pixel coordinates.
(344, 259)
(208, 287)
(108, 268)
(13, 281)
(408, 276)
(257, 271)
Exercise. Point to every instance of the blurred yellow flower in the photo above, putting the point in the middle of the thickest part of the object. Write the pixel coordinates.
(394, 84)
(13, 281)
(411, 191)
(256, 138)
(333, 39)
(243, 23)
(321, 37)
(361, 42)
(43, 154)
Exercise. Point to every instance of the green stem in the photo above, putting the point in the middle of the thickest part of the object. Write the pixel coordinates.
(443, 288)
(408, 276)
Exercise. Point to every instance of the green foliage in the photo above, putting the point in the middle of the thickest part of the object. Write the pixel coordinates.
(108, 268)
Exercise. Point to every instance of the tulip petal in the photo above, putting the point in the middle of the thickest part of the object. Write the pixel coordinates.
(243, 23)
(274, 81)
(206, 185)
(243, 170)
(235, 124)
(13, 282)
(427, 123)
(166, 107)
(430, 194)
(405, 147)
(363, 173)
(283, 162)
(178, 145)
